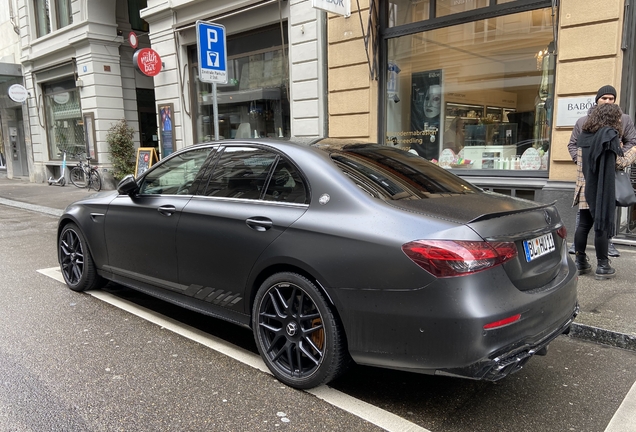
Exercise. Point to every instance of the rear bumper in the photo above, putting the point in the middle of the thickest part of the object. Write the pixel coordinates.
(440, 329)
(509, 359)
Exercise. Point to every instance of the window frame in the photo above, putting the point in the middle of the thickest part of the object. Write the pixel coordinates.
(196, 181)
(278, 157)
(52, 15)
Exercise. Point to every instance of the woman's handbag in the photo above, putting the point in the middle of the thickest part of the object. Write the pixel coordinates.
(624, 190)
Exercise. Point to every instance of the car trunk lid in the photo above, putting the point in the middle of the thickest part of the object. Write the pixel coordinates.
(498, 218)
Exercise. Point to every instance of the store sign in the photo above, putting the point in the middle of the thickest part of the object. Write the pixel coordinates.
(570, 109)
(147, 61)
(18, 93)
(340, 7)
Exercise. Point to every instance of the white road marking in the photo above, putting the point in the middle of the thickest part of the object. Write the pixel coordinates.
(624, 419)
(370, 413)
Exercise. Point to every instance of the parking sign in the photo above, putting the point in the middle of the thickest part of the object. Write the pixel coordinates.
(212, 52)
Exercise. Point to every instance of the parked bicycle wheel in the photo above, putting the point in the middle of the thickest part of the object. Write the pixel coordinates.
(96, 180)
(78, 177)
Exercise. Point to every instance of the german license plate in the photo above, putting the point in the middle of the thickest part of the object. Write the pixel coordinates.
(539, 246)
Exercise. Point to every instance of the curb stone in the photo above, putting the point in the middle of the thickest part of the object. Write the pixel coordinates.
(603, 336)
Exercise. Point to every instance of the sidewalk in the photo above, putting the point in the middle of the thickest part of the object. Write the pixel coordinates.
(608, 308)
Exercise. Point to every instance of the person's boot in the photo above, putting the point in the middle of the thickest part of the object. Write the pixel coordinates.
(604, 270)
(612, 251)
(582, 263)
(571, 250)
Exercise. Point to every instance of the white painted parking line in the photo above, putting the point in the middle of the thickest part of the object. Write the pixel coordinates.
(370, 413)
(624, 419)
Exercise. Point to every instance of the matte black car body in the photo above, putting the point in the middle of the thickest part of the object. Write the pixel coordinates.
(212, 254)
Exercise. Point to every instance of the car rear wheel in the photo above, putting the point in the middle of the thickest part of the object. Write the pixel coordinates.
(78, 268)
(297, 334)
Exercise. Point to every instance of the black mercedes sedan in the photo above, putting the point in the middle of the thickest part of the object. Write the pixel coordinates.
(333, 252)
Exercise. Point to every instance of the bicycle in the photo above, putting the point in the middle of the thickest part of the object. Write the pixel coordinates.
(84, 175)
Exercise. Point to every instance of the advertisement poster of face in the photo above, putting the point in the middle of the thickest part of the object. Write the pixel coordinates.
(167, 139)
(426, 109)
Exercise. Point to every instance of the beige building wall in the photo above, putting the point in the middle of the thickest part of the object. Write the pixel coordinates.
(589, 57)
(353, 95)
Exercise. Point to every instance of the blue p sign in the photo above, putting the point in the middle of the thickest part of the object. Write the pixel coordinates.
(212, 52)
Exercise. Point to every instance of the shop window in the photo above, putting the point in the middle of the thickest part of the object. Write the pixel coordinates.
(476, 95)
(448, 7)
(64, 124)
(51, 15)
(254, 103)
(408, 11)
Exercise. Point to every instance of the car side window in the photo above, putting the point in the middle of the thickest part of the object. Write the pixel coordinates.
(177, 176)
(286, 184)
(241, 172)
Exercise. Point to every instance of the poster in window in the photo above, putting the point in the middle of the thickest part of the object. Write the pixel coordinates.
(166, 118)
(426, 110)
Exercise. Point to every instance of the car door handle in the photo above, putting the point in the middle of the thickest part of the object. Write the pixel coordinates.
(259, 223)
(167, 210)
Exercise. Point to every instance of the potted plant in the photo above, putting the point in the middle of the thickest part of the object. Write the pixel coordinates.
(122, 149)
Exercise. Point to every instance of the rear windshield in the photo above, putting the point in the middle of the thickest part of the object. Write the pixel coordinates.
(396, 174)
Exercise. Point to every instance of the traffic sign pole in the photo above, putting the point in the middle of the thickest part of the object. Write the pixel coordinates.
(215, 108)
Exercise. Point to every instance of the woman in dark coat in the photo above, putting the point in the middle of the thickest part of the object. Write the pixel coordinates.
(598, 149)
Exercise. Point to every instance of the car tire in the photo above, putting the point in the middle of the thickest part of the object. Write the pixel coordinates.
(297, 333)
(76, 262)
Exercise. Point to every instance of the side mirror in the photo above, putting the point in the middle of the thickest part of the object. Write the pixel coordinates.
(127, 185)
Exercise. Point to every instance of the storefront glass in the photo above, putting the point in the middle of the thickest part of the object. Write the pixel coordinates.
(408, 11)
(448, 7)
(476, 95)
(255, 101)
(64, 123)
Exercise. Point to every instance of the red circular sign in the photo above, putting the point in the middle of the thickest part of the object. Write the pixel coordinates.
(147, 61)
(132, 39)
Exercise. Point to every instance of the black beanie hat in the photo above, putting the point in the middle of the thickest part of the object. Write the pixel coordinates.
(605, 90)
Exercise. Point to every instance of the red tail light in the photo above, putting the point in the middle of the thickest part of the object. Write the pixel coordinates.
(447, 258)
(562, 232)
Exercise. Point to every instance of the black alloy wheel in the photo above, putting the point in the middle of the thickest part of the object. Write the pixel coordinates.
(76, 263)
(296, 332)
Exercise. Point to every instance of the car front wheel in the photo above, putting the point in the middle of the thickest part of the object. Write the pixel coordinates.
(75, 260)
(297, 334)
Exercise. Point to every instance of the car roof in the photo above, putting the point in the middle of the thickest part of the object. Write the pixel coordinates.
(327, 145)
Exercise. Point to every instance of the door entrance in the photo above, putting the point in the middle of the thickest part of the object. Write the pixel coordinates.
(147, 118)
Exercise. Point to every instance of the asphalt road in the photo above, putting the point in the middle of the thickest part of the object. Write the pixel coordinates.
(116, 360)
